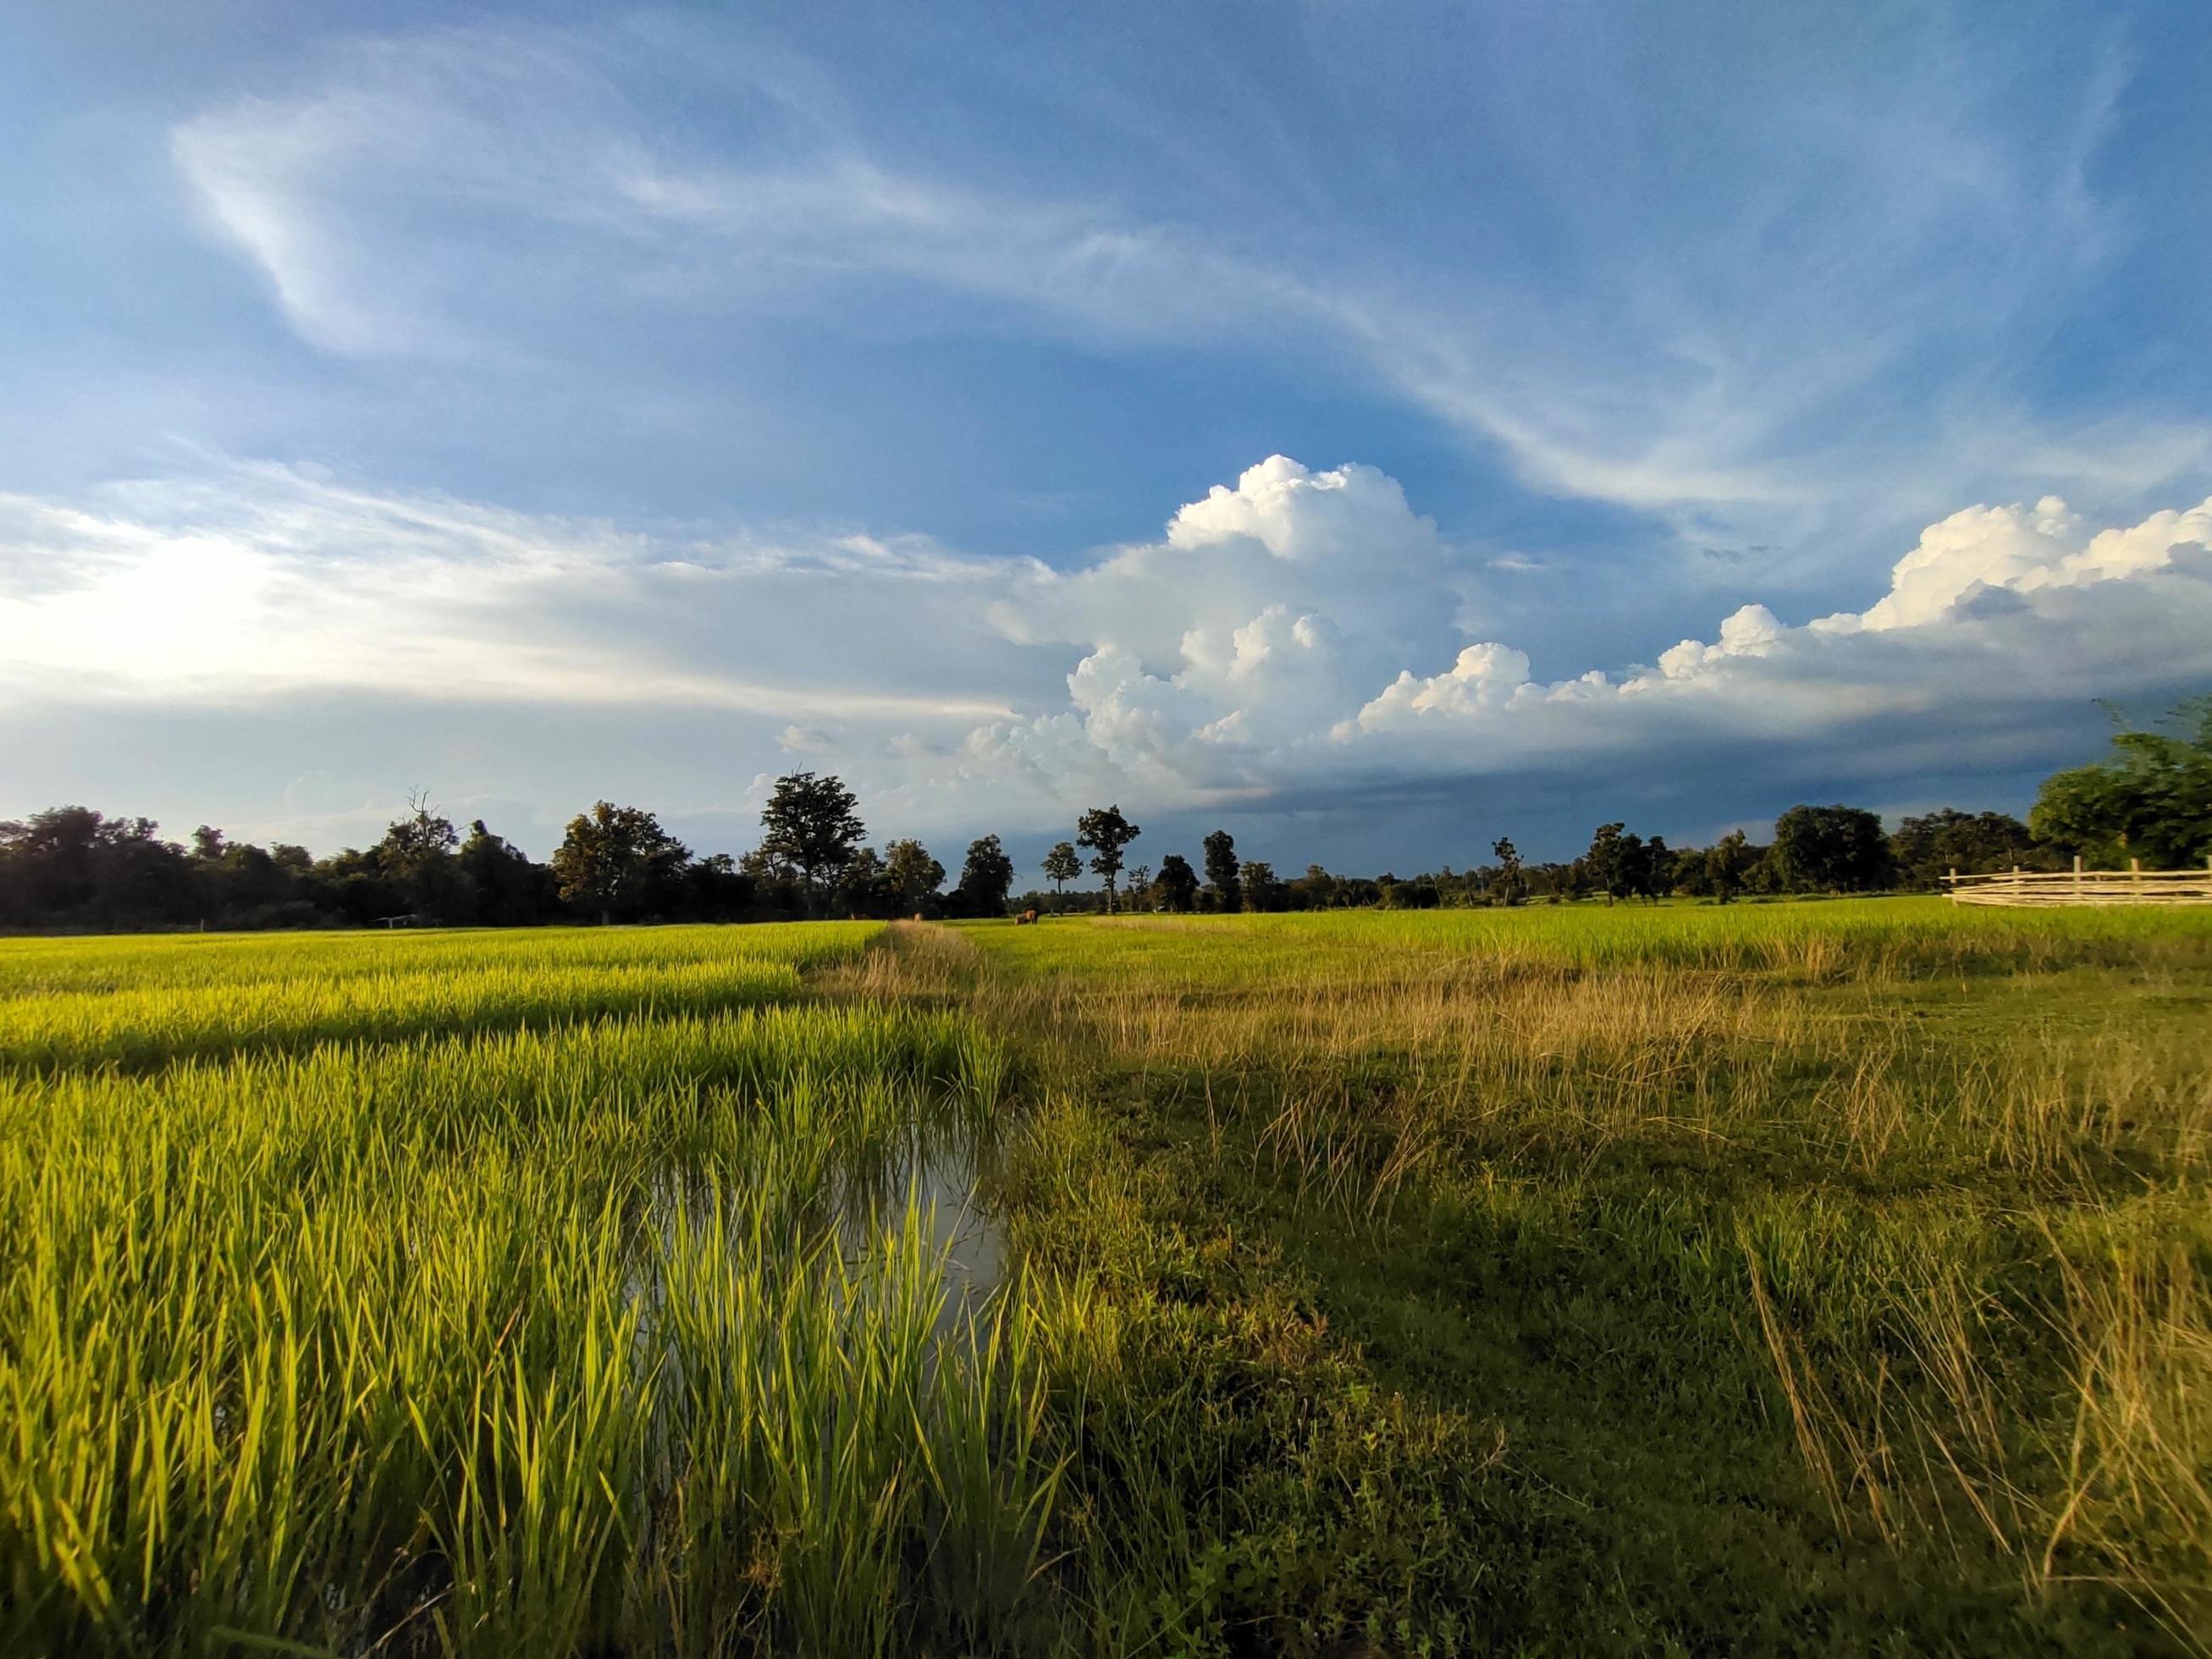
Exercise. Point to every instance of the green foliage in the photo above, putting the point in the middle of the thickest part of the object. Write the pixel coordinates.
(2153, 801)
(1762, 1279)
(1829, 849)
(1062, 865)
(810, 823)
(1930, 847)
(616, 862)
(1224, 889)
(1107, 834)
(1176, 885)
(1263, 891)
(986, 878)
(912, 875)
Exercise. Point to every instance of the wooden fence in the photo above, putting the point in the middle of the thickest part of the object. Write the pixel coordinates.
(2133, 885)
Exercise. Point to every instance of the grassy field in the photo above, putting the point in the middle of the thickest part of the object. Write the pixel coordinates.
(1819, 1278)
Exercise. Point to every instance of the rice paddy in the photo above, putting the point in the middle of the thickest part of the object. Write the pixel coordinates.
(1800, 1278)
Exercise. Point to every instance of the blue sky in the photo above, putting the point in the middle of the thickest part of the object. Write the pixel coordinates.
(1374, 428)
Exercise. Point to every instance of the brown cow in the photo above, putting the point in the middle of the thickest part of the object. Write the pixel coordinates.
(1025, 918)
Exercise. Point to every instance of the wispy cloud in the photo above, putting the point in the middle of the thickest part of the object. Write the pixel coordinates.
(263, 581)
(1731, 372)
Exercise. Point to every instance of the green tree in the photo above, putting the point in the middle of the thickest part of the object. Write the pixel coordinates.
(810, 825)
(986, 878)
(1834, 849)
(1222, 880)
(1728, 863)
(416, 856)
(1062, 866)
(1107, 834)
(2152, 800)
(1617, 864)
(500, 886)
(1263, 892)
(862, 887)
(617, 862)
(1927, 848)
(1512, 884)
(912, 875)
(1176, 885)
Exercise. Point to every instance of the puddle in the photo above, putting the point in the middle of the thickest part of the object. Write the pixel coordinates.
(943, 1183)
(859, 1209)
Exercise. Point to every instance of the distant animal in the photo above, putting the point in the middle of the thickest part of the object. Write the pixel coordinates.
(917, 915)
(1025, 918)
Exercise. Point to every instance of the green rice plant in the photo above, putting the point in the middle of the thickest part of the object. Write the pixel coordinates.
(452, 1334)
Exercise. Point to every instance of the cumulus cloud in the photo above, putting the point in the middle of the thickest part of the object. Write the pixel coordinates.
(1997, 611)
(1279, 641)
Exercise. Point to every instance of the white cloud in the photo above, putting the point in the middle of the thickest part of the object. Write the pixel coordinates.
(1237, 659)
(1999, 614)
(1268, 644)
(264, 581)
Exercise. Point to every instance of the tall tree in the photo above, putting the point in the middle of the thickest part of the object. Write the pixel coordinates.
(1061, 865)
(862, 887)
(1835, 849)
(1615, 861)
(911, 874)
(1107, 834)
(985, 879)
(617, 862)
(501, 887)
(2152, 800)
(810, 823)
(1221, 872)
(1262, 891)
(416, 856)
(1728, 863)
(1512, 880)
(1176, 885)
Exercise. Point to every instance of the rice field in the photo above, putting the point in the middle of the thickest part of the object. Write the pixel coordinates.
(1826, 1277)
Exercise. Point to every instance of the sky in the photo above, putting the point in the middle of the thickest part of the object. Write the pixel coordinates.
(1371, 429)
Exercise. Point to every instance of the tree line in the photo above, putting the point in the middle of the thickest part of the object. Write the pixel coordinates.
(72, 868)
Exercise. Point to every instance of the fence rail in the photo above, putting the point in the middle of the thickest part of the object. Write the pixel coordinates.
(2133, 885)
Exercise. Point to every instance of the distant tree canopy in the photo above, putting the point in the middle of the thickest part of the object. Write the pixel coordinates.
(1224, 888)
(986, 878)
(1833, 849)
(1062, 865)
(1263, 893)
(617, 862)
(1175, 887)
(1107, 834)
(2152, 800)
(911, 874)
(1927, 848)
(72, 868)
(810, 825)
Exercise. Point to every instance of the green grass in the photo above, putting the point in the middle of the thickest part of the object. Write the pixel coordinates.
(1819, 1278)
(1787, 1279)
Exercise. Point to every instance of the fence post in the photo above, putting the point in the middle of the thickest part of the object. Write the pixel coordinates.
(2135, 879)
(2077, 875)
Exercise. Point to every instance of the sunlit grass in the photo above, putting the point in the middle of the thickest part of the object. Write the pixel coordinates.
(1570, 1279)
